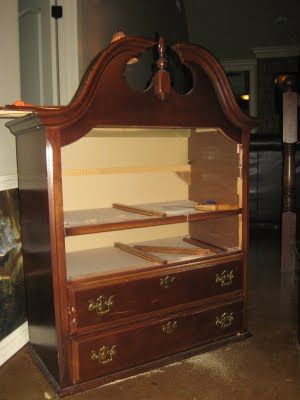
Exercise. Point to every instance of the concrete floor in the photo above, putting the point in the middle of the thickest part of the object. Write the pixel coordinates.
(266, 366)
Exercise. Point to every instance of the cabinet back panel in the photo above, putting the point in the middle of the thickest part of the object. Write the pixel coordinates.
(97, 152)
(97, 191)
(86, 191)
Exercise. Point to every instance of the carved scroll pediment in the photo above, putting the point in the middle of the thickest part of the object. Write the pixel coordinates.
(104, 98)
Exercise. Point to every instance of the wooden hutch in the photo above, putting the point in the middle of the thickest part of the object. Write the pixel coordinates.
(134, 213)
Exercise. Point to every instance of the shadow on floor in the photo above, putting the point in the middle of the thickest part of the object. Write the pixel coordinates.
(267, 366)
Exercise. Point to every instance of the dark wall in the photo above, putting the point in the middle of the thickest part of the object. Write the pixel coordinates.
(231, 28)
(98, 20)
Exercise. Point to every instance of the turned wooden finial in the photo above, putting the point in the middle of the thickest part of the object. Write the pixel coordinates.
(286, 82)
(162, 62)
(161, 80)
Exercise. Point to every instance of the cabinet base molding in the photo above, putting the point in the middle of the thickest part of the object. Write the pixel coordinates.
(140, 369)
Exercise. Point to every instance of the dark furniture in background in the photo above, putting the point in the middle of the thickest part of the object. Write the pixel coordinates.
(266, 170)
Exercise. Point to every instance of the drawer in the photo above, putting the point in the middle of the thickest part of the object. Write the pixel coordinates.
(123, 349)
(100, 304)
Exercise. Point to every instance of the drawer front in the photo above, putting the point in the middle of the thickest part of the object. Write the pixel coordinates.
(123, 349)
(124, 299)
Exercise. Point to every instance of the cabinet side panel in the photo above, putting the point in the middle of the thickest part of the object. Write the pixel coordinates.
(215, 167)
(223, 232)
(34, 209)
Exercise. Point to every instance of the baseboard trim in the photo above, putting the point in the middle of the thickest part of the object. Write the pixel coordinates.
(8, 182)
(13, 342)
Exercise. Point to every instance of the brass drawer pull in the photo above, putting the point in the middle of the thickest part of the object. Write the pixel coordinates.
(224, 320)
(169, 327)
(225, 278)
(167, 281)
(102, 305)
(105, 354)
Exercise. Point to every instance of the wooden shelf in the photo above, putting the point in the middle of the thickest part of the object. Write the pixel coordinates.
(127, 170)
(82, 222)
(114, 260)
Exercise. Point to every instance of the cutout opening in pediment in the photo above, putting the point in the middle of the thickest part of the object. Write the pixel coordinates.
(140, 74)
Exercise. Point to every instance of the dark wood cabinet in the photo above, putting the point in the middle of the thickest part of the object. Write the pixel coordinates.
(134, 214)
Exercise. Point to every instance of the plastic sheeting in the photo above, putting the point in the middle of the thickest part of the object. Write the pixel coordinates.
(266, 179)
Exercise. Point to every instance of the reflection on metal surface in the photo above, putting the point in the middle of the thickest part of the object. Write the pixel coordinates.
(167, 281)
(225, 278)
(102, 305)
(169, 327)
(105, 354)
(224, 320)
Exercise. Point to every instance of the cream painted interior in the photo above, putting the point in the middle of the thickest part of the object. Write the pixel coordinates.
(104, 190)
(111, 151)
(136, 166)
(122, 148)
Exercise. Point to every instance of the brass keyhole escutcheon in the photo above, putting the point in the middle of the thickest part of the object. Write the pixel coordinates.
(167, 281)
(225, 278)
(102, 305)
(224, 320)
(169, 327)
(105, 354)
